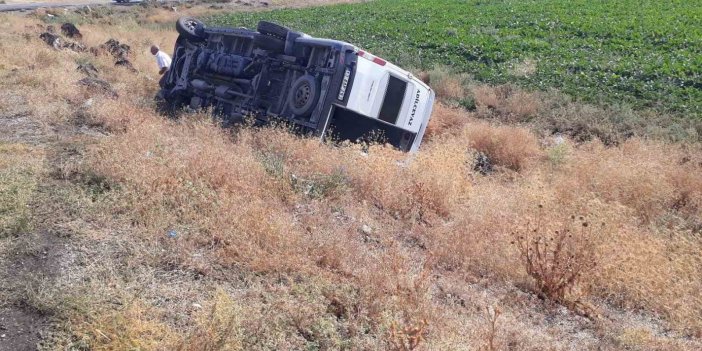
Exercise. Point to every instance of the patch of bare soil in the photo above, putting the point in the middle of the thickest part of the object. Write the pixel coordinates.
(36, 258)
(16, 126)
(20, 329)
(21, 324)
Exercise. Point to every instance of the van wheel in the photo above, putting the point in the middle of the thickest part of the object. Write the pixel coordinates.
(268, 43)
(272, 29)
(304, 95)
(190, 28)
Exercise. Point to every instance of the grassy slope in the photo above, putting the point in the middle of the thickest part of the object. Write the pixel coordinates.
(286, 244)
(18, 168)
(643, 53)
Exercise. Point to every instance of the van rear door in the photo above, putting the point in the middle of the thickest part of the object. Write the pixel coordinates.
(369, 83)
(388, 97)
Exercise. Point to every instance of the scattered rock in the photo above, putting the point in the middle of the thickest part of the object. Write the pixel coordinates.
(99, 86)
(88, 69)
(51, 39)
(116, 49)
(482, 164)
(197, 305)
(366, 229)
(174, 9)
(55, 41)
(125, 63)
(70, 30)
(119, 51)
(77, 47)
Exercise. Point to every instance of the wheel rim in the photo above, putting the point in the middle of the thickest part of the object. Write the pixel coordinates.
(190, 24)
(302, 95)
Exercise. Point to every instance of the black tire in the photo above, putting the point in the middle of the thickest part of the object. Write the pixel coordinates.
(268, 43)
(304, 95)
(272, 29)
(190, 28)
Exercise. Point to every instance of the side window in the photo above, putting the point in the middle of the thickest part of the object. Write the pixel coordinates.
(394, 95)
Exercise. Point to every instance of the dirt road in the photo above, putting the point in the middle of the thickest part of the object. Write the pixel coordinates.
(25, 6)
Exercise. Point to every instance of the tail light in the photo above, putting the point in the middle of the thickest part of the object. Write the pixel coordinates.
(370, 57)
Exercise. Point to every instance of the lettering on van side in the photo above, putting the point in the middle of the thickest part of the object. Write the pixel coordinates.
(414, 108)
(344, 84)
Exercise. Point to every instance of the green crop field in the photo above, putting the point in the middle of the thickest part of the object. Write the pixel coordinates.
(645, 54)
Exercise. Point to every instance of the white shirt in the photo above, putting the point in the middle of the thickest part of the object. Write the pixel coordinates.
(163, 59)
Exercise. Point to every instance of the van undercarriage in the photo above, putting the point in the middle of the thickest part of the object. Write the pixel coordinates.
(274, 74)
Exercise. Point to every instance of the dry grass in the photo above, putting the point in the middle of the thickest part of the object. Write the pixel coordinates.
(284, 243)
(218, 328)
(506, 146)
(551, 112)
(446, 120)
(135, 326)
(506, 103)
(558, 255)
(20, 168)
(446, 84)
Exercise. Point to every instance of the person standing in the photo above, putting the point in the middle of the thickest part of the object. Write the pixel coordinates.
(162, 59)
